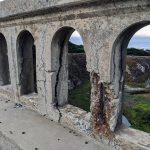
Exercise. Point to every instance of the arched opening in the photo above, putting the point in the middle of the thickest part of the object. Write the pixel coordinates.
(79, 78)
(4, 65)
(130, 75)
(26, 51)
(69, 62)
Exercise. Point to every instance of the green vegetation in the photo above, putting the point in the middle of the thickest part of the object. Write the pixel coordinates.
(80, 96)
(137, 52)
(137, 110)
(136, 85)
(75, 48)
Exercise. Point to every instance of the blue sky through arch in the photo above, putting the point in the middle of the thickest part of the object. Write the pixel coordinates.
(141, 39)
(76, 38)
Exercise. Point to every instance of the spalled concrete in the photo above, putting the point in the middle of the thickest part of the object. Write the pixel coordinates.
(23, 129)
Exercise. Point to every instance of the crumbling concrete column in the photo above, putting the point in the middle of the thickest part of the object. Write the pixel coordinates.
(100, 106)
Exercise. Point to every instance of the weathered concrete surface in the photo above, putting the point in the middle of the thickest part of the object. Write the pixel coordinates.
(106, 28)
(14, 7)
(22, 129)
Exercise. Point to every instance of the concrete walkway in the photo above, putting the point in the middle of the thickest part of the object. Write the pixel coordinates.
(23, 129)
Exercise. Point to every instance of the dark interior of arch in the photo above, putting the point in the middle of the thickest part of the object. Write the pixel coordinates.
(27, 63)
(4, 65)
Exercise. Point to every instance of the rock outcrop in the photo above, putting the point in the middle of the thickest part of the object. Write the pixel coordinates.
(138, 71)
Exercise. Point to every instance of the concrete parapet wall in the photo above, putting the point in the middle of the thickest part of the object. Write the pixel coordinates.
(106, 28)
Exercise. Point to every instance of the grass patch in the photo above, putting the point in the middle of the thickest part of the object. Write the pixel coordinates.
(80, 97)
(136, 85)
(137, 110)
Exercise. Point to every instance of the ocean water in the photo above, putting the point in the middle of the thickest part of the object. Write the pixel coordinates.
(140, 42)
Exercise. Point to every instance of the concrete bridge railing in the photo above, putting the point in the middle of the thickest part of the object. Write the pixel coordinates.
(42, 28)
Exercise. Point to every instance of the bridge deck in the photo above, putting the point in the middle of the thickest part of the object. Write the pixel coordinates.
(33, 132)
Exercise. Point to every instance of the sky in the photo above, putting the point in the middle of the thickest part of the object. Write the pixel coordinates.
(144, 32)
(140, 40)
(76, 38)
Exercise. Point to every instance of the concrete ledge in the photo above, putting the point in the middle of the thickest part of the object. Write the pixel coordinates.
(7, 92)
(14, 121)
(26, 130)
(77, 119)
(31, 101)
(6, 143)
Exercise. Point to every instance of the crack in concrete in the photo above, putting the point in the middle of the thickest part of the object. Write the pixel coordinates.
(62, 45)
(57, 81)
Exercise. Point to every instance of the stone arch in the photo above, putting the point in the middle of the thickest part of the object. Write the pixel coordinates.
(59, 64)
(4, 64)
(26, 56)
(118, 64)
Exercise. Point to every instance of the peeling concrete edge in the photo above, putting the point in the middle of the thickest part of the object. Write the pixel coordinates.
(76, 119)
(30, 101)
